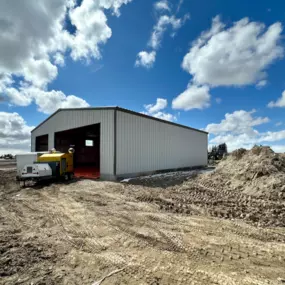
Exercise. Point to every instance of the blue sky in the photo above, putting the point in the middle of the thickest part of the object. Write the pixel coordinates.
(214, 65)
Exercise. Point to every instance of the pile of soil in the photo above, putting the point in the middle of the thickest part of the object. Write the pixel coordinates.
(248, 185)
(257, 172)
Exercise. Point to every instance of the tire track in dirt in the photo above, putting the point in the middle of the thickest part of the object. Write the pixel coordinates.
(87, 229)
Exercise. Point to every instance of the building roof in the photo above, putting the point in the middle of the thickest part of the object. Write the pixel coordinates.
(122, 110)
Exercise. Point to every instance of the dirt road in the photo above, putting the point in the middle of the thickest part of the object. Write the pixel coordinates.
(79, 233)
(7, 164)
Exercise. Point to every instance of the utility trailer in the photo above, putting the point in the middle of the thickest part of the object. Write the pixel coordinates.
(54, 165)
(24, 159)
(36, 171)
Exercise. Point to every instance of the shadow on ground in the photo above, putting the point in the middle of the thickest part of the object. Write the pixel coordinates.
(167, 179)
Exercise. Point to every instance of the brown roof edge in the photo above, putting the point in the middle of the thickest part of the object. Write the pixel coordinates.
(122, 110)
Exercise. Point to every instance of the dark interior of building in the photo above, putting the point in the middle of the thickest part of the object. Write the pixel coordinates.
(42, 143)
(86, 143)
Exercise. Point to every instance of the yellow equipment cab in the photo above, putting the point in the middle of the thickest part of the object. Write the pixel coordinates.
(60, 163)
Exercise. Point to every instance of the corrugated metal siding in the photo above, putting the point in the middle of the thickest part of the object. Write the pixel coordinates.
(146, 145)
(70, 119)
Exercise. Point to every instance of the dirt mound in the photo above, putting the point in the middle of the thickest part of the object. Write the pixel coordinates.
(248, 185)
(259, 172)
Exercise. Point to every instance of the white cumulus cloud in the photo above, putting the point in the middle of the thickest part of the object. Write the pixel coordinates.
(91, 30)
(164, 22)
(238, 130)
(234, 56)
(279, 103)
(159, 105)
(237, 122)
(261, 84)
(145, 59)
(39, 72)
(46, 101)
(113, 4)
(162, 5)
(165, 116)
(59, 59)
(14, 133)
(19, 98)
(49, 101)
(160, 28)
(34, 41)
(155, 110)
(272, 136)
(194, 97)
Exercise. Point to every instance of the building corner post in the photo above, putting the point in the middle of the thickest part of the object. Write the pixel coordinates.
(115, 143)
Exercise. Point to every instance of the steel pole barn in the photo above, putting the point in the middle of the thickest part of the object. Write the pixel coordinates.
(112, 142)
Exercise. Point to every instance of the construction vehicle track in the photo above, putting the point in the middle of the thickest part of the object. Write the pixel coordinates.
(81, 232)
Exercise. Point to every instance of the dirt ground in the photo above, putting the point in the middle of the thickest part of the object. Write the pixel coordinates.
(178, 233)
(7, 164)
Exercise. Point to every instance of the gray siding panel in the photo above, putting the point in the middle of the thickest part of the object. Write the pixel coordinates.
(70, 119)
(145, 145)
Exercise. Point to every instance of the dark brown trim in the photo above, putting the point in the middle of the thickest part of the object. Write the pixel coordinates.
(125, 111)
(115, 142)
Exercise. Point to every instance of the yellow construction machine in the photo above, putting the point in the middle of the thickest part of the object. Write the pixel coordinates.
(48, 166)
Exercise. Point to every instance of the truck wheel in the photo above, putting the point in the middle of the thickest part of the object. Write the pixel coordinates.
(66, 177)
(71, 176)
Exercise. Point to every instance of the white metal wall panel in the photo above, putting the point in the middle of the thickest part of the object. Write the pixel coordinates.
(70, 119)
(145, 145)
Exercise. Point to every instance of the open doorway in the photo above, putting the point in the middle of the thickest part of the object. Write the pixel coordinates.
(42, 143)
(86, 143)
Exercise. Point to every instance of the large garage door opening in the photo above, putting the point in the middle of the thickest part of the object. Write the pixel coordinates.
(86, 143)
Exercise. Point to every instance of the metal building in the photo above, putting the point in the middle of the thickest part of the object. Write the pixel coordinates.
(116, 142)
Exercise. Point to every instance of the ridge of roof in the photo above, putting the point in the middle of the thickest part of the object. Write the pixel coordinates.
(122, 110)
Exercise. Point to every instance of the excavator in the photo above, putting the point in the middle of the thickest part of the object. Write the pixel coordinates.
(218, 152)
